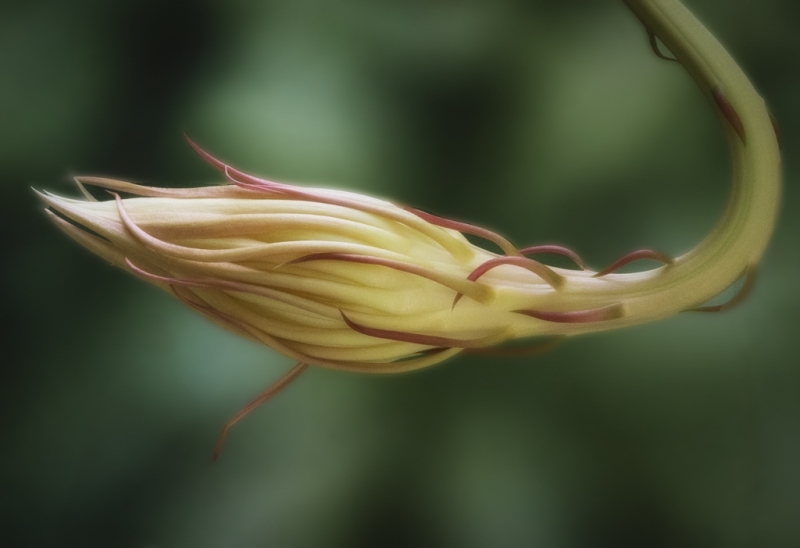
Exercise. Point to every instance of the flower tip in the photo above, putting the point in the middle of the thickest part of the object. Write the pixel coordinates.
(49, 199)
(50, 215)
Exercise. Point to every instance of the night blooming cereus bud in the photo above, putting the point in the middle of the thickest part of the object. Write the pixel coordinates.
(340, 280)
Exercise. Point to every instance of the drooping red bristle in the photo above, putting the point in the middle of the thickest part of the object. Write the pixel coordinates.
(544, 272)
(354, 258)
(550, 277)
(741, 295)
(244, 180)
(728, 111)
(555, 250)
(271, 391)
(635, 256)
(227, 285)
(207, 310)
(414, 338)
(247, 330)
(250, 182)
(603, 314)
(467, 228)
(205, 155)
(165, 279)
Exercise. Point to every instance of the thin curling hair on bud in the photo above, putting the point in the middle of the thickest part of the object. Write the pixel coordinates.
(344, 281)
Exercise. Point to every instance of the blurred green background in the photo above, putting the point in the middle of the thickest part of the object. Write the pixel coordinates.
(549, 121)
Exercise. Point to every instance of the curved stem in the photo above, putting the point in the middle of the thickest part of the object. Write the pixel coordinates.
(741, 236)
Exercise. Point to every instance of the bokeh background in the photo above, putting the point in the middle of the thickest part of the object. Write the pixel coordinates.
(549, 121)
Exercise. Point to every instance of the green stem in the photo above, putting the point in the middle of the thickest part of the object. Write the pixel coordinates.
(741, 236)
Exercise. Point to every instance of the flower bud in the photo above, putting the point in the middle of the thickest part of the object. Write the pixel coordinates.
(341, 280)
(327, 277)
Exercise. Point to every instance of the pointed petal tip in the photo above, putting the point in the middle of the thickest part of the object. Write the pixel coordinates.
(422, 339)
(222, 166)
(60, 223)
(83, 190)
(92, 180)
(50, 199)
(190, 141)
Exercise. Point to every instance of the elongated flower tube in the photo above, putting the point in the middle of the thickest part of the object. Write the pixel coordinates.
(340, 280)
